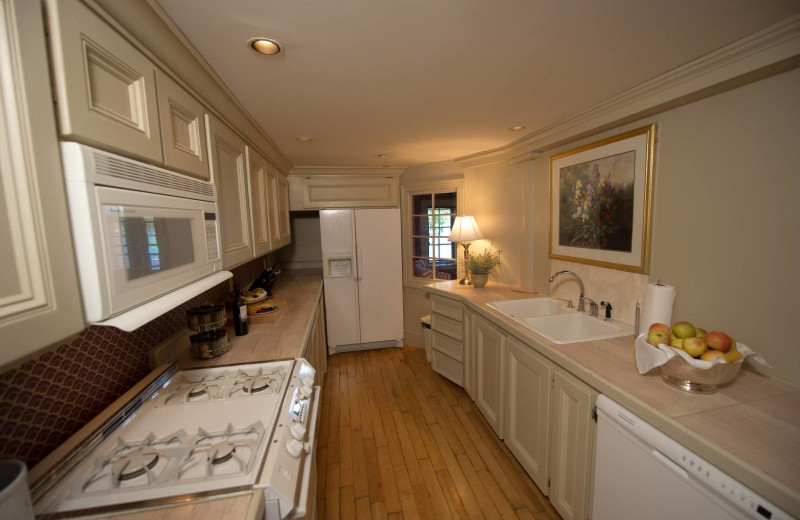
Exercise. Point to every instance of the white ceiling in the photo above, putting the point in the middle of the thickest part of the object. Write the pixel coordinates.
(427, 80)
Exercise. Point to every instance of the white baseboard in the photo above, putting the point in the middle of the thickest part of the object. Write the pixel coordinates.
(338, 349)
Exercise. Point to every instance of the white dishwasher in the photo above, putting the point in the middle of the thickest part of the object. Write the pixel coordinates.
(641, 473)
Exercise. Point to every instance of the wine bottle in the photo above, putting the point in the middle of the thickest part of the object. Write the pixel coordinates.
(239, 312)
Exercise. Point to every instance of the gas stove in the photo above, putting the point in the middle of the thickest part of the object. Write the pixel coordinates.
(198, 433)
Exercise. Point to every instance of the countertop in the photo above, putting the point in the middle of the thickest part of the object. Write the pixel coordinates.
(750, 428)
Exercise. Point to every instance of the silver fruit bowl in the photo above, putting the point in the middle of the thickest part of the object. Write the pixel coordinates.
(681, 374)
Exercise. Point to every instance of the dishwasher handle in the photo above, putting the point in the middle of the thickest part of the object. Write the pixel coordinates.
(670, 464)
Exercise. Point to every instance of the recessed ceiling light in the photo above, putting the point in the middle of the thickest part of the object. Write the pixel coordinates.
(304, 139)
(517, 128)
(265, 46)
(382, 155)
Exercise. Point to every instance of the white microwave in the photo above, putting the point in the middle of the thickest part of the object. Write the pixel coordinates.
(140, 233)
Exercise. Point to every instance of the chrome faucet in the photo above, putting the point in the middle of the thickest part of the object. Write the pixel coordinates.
(581, 298)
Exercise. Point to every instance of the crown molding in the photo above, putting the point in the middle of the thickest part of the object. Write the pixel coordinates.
(374, 171)
(769, 51)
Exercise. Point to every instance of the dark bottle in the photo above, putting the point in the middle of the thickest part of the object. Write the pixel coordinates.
(239, 312)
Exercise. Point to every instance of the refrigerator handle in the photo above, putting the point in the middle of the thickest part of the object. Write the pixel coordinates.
(358, 262)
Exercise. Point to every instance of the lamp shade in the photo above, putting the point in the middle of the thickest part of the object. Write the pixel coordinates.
(465, 229)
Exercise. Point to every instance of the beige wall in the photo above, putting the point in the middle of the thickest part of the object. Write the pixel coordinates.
(305, 250)
(725, 221)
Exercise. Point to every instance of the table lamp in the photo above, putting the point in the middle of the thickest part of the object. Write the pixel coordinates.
(465, 230)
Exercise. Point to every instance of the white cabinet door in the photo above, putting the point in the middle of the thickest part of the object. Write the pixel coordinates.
(572, 447)
(229, 173)
(528, 378)
(257, 168)
(183, 129)
(490, 381)
(334, 191)
(283, 211)
(469, 352)
(279, 226)
(105, 87)
(39, 298)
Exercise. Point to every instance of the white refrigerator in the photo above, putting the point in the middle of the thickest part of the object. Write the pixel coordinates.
(362, 270)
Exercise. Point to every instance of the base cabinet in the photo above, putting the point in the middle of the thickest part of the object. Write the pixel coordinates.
(572, 447)
(469, 352)
(316, 349)
(490, 373)
(529, 377)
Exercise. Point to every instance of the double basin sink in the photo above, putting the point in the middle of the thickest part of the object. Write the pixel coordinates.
(551, 320)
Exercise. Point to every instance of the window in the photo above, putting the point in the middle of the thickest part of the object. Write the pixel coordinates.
(433, 256)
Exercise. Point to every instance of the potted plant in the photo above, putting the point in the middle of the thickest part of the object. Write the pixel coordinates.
(481, 266)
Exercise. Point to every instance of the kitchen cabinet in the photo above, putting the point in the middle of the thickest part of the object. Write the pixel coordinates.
(572, 446)
(278, 195)
(39, 297)
(105, 87)
(527, 434)
(469, 352)
(345, 191)
(183, 128)
(316, 349)
(260, 204)
(227, 155)
(490, 373)
(447, 333)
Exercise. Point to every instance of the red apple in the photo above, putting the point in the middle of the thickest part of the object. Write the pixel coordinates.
(683, 329)
(661, 327)
(719, 341)
(657, 337)
(694, 346)
(709, 355)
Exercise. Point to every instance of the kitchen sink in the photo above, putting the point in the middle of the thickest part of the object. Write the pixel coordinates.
(528, 308)
(574, 327)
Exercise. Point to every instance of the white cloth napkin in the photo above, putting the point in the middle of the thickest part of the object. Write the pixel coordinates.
(648, 358)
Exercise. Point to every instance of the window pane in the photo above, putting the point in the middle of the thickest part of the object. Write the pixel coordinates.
(445, 201)
(443, 248)
(446, 270)
(422, 268)
(421, 226)
(420, 204)
(422, 247)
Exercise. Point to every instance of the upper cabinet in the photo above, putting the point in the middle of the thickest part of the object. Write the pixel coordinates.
(182, 128)
(258, 168)
(227, 153)
(377, 190)
(280, 230)
(106, 88)
(38, 279)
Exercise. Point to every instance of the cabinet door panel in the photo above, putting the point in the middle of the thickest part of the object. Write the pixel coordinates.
(106, 88)
(350, 192)
(490, 354)
(183, 129)
(469, 353)
(228, 169)
(572, 448)
(528, 381)
(257, 168)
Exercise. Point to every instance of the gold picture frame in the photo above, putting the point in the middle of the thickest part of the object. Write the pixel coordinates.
(601, 202)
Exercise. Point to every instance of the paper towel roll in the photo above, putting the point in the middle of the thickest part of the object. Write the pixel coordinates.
(657, 307)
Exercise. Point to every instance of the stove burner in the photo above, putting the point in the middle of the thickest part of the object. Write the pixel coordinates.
(249, 386)
(137, 462)
(197, 391)
(221, 452)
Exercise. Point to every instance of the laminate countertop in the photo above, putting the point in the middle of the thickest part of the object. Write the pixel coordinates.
(750, 428)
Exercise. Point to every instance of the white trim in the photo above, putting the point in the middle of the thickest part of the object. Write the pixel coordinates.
(348, 170)
(684, 84)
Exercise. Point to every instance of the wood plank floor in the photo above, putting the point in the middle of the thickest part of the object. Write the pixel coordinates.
(398, 441)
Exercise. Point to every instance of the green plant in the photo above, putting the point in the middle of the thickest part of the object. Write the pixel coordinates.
(482, 263)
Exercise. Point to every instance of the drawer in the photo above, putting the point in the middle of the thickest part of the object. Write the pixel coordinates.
(447, 307)
(447, 367)
(452, 328)
(449, 346)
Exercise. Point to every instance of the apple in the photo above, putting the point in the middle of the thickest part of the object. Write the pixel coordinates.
(732, 355)
(694, 346)
(700, 333)
(660, 326)
(676, 342)
(709, 355)
(719, 341)
(657, 337)
(683, 329)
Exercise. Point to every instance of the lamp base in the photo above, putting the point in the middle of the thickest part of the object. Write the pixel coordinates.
(466, 280)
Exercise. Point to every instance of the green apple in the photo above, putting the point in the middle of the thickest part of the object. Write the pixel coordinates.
(676, 342)
(732, 355)
(709, 355)
(657, 337)
(700, 333)
(683, 330)
(661, 327)
(694, 346)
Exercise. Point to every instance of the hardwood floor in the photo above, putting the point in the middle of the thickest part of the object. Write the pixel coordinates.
(398, 441)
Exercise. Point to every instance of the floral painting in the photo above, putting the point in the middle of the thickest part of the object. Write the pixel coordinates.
(601, 200)
(597, 203)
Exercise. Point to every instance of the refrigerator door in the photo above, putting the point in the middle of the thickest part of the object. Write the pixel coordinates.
(337, 228)
(379, 273)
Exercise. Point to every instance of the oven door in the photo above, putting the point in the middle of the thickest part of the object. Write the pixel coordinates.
(148, 245)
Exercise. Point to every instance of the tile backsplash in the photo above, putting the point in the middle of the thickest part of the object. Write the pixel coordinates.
(45, 400)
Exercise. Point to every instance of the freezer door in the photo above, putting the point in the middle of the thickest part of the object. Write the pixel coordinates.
(337, 230)
(379, 274)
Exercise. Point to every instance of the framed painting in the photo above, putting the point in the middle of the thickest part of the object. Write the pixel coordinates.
(601, 199)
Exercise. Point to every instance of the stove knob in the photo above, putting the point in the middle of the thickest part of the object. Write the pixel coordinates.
(304, 392)
(298, 431)
(308, 381)
(294, 447)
